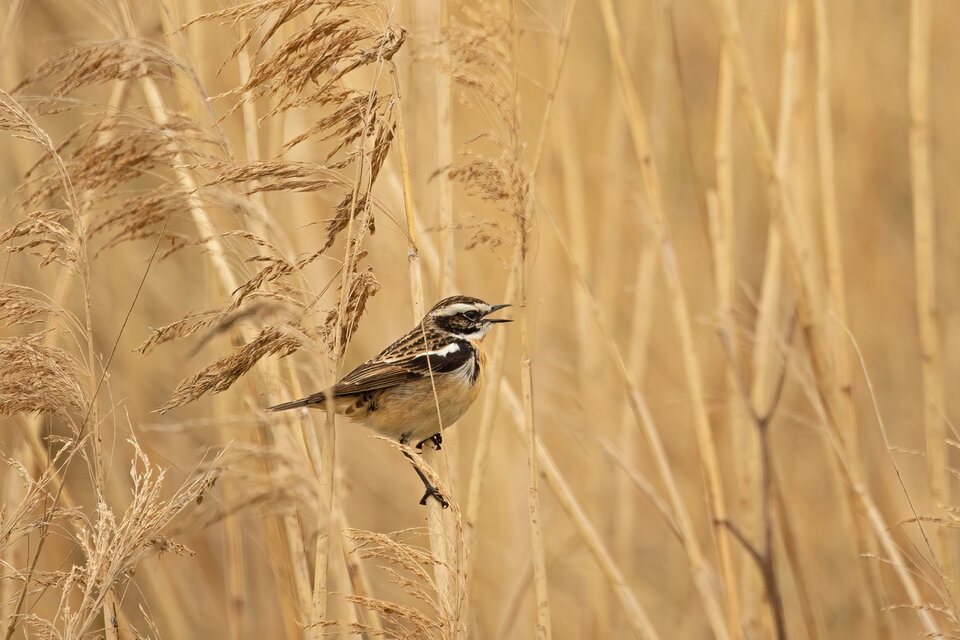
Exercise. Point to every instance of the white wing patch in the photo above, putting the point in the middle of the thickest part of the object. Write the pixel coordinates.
(453, 347)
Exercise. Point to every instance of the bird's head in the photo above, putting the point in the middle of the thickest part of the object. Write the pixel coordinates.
(465, 317)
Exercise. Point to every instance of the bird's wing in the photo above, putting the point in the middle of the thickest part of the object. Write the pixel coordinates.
(382, 372)
(415, 355)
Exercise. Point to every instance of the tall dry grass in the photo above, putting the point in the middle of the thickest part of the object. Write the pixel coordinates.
(724, 408)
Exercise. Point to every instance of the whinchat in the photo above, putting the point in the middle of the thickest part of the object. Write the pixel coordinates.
(426, 379)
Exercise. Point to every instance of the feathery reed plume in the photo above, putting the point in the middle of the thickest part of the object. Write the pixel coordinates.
(38, 377)
(113, 544)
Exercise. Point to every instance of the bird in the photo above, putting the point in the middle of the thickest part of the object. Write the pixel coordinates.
(427, 378)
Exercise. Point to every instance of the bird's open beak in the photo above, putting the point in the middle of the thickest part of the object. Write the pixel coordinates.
(495, 308)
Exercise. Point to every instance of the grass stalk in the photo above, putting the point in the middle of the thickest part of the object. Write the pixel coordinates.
(801, 270)
(543, 631)
(925, 257)
(438, 15)
(721, 214)
(481, 457)
(703, 575)
(871, 596)
(637, 348)
(637, 618)
(218, 257)
(447, 591)
(716, 501)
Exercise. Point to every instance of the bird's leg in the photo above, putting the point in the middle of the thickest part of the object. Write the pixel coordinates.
(430, 490)
(436, 438)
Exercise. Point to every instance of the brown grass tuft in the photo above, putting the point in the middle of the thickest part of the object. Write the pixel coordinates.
(37, 377)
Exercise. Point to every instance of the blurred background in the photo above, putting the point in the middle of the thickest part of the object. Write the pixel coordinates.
(683, 316)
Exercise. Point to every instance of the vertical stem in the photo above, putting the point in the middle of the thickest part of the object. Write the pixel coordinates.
(720, 213)
(533, 495)
(478, 470)
(809, 312)
(444, 153)
(925, 256)
(636, 617)
(812, 616)
(523, 216)
(435, 524)
(869, 575)
(703, 575)
(639, 128)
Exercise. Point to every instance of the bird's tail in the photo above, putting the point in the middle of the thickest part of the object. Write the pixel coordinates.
(314, 399)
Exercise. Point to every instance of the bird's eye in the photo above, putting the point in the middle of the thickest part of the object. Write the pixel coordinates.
(472, 316)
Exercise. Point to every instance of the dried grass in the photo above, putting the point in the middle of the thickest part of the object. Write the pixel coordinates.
(222, 185)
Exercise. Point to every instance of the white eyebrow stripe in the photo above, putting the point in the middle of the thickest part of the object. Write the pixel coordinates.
(454, 309)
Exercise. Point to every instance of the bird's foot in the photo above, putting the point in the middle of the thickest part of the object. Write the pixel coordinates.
(433, 491)
(436, 438)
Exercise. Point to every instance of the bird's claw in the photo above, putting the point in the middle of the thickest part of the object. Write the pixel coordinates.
(433, 491)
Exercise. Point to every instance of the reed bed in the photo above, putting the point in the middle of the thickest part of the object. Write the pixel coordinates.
(723, 410)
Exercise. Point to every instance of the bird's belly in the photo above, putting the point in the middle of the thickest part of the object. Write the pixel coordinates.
(411, 408)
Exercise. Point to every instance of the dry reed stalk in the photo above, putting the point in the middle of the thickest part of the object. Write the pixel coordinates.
(372, 139)
(799, 567)
(233, 538)
(636, 616)
(436, 14)
(808, 308)
(218, 257)
(702, 573)
(435, 84)
(366, 170)
(448, 590)
(721, 212)
(637, 119)
(359, 578)
(831, 223)
(233, 543)
(871, 597)
(925, 257)
(755, 522)
(523, 215)
(110, 605)
(636, 361)
(294, 544)
(609, 283)
(587, 362)
(543, 631)
(322, 550)
(895, 557)
(53, 374)
(481, 456)
(639, 481)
